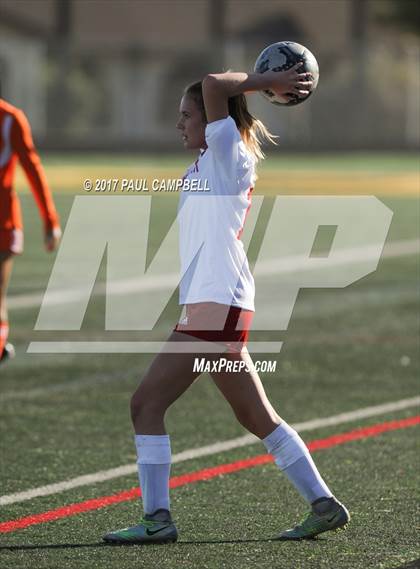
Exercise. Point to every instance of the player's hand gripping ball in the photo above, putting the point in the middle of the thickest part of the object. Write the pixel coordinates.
(282, 56)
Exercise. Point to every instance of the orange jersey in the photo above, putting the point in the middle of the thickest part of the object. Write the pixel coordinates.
(16, 144)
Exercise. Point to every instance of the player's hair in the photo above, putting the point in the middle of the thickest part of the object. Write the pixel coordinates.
(253, 132)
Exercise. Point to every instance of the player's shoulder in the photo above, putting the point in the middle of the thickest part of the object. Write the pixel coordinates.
(224, 124)
(222, 135)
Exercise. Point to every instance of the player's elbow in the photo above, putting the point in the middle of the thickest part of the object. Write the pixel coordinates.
(210, 83)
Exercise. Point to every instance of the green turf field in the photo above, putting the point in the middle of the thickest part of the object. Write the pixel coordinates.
(64, 416)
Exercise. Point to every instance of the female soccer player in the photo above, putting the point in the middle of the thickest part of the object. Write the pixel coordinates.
(16, 144)
(217, 289)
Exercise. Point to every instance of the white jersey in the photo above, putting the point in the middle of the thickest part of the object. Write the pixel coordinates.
(214, 266)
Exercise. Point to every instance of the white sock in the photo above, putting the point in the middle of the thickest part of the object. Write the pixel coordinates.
(154, 465)
(292, 456)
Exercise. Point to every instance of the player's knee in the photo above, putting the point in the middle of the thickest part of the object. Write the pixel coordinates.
(144, 407)
(134, 407)
(138, 406)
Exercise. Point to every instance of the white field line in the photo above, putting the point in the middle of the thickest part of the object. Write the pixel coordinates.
(207, 450)
(361, 299)
(170, 280)
(296, 263)
(306, 309)
(74, 385)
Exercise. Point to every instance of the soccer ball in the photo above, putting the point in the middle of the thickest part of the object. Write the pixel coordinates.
(284, 55)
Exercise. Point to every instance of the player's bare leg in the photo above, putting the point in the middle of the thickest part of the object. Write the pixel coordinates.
(245, 393)
(6, 264)
(167, 378)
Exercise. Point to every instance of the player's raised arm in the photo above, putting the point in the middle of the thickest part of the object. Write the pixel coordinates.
(218, 87)
(23, 145)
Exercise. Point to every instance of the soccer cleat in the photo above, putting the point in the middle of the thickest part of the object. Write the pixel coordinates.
(326, 515)
(154, 528)
(8, 353)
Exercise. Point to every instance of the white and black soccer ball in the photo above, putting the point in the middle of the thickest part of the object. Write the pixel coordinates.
(281, 56)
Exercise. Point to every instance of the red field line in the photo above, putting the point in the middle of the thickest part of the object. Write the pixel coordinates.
(204, 474)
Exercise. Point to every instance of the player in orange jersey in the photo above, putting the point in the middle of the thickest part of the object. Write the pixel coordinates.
(16, 144)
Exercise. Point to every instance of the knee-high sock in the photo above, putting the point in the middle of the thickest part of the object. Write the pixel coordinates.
(292, 456)
(154, 465)
(4, 333)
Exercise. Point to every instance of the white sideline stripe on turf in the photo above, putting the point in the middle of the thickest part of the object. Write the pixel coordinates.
(207, 450)
(305, 310)
(266, 268)
(88, 381)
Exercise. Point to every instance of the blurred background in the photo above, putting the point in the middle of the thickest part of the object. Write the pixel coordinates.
(108, 74)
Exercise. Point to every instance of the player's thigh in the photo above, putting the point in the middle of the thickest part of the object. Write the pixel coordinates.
(169, 375)
(244, 390)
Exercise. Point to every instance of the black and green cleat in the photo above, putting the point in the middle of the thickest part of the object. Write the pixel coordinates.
(156, 528)
(326, 515)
